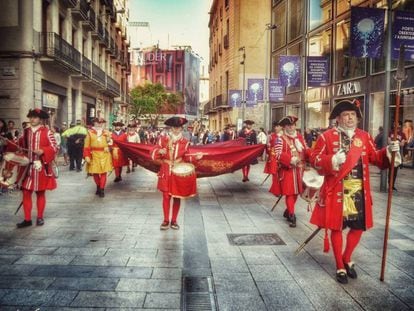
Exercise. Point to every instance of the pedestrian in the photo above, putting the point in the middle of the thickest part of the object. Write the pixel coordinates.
(134, 138)
(379, 139)
(292, 154)
(118, 158)
(63, 144)
(272, 165)
(342, 154)
(249, 134)
(75, 138)
(58, 139)
(171, 150)
(38, 177)
(97, 155)
(402, 140)
(262, 139)
(309, 137)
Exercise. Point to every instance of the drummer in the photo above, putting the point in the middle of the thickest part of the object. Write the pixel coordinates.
(42, 149)
(171, 149)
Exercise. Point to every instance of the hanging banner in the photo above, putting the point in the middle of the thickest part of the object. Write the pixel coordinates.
(235, 98)
(289, 70)
(255, 88)
(367, 32)
(318, 71)
(275, 90)
(403, 33)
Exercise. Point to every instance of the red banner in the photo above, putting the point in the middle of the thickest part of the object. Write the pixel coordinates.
(218, 158)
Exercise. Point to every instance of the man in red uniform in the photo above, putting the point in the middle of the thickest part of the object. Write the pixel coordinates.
(291, 152)
(170, 150)
(343, 154)
(272, 166)
(251, 139)
(39, 177)
(118, 158)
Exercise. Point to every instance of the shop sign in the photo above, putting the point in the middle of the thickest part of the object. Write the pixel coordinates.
(348, 88)
(50, 100)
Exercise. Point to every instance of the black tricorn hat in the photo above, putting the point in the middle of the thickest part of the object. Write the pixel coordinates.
(249, 122)
(275, 123)
(288, 120)
(117, 123)
(175, 121)
(37, 112)
(346, 105)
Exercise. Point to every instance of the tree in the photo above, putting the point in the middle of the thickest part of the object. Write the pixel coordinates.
(152, 100)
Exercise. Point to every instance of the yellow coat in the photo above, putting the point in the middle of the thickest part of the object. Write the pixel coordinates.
(96, 148)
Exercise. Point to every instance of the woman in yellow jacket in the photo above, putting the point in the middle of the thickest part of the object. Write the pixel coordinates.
(97, 155)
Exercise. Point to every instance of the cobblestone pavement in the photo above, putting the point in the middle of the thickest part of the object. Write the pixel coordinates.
(109, 254)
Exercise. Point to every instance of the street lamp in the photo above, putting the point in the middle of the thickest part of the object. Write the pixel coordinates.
(243, 62)
(266, 112)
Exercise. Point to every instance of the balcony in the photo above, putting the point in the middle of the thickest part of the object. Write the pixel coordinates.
(53, 46)
(113, 49)
(98, 75)
(220, 51)
(90, 23)
(107, 40)
(101, 31)
(69, 4)
(226, 41)
(112, 86)
(81, 10)
(86, 67)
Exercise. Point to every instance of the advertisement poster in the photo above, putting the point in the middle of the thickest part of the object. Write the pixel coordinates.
(235, 98)
(318, 71)
(289, 70)
(275, 90)
(403, 33)
(255, 89)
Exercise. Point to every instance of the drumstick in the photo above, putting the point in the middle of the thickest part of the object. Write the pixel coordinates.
(14, 144)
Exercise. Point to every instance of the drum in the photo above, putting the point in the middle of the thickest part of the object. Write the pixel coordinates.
(183, 180)
(9, 172)
(312, 184)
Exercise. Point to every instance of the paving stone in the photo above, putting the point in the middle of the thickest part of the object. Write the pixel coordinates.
(122, 272)
(8, 259)
(25, 282)
(234, 283)
(262, 273)
(16, 270)
(96, 284)
(163, 301)
(64, 271)
(167, 273)
(45, 260)
(240, 301)
(149, 285)
(96, 251)
(109, 299)
(25, 297)
(23, 250)
(100, 261)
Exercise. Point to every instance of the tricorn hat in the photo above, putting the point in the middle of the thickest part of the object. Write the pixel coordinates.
(37, 112)
(288, 120)
(249, 122)
(175, 121)
(132, 125)
(346, 105)
(98, 120)
(275, 123)
(117, 123)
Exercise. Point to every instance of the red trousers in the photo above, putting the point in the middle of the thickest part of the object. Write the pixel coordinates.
(166, 199)
(352, 240)
(27, 204)
(100, 180)
(290, 203)
(246, 170)
(118, 171)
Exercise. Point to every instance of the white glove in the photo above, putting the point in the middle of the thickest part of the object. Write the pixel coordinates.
(338, 159)
(37, 165)
(394, 146)
(294, 161)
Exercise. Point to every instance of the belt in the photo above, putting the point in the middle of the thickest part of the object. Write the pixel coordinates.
(97, 148)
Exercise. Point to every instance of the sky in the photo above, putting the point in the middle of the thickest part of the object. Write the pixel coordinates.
(171, 22)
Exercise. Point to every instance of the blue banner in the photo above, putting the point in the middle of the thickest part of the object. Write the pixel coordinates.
(403, 33)
(367, 32)
(275, 90)
(318, 71)
(235, 98)
(255, 89)
(289, 70)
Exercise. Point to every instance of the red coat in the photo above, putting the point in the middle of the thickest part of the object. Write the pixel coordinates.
(271, 165)
(118, 158)
(290, 177)
(328, 210)
(176, 151)
(43, 179)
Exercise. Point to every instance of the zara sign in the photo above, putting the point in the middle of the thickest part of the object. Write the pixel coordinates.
(348, 88)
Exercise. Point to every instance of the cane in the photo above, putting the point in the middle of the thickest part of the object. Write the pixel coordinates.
(20, 206)
(274, 206)
(267, 177)
(314, 233)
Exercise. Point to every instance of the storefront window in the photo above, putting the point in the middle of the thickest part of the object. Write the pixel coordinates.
(376, 115)
(296, 18)
(296, 50)
(319, 12)
(345, 5)
(294, 110)
(317, 115)
(346, 67)
(279, 18)
(275, 63)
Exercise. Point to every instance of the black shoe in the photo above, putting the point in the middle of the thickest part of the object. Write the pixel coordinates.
(98, 190)
(101, 193)
(292, 221)
(395, 189)
(24, 223)
(286, 214)
(174, 225)
(128, 170)
(245, 179)
(118, 179)
(341, 276)
(350, 270)
(164, 225)
(78, 170)
(40, 222)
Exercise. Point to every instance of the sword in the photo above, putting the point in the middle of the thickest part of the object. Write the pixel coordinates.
(274, 206)
(20, 206)
(268, 175)
(314, 233)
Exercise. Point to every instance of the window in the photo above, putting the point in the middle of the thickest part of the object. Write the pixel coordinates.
(226, 94)
(320, 44)
(319, 12)
(317, 115)
(296, 49)
(226, 3)
(345, 5)
(279, 18)
(346, 67)
(296, 19)
(275, 63)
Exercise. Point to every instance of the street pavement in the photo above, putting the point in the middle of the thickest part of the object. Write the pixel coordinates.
(109, 254)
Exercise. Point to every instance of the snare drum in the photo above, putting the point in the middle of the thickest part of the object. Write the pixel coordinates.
(312, 184)
(9, 172)
(183, 180)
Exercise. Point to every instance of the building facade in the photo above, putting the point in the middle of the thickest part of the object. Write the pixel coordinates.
(69, 57)
(238, 52)
(322, 28)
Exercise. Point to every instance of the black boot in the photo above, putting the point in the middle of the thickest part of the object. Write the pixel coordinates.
(350, 270)
(292, 221)
(102, 193)
(341, 277)
(24, 223)
(98, 190)
(286, 214)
